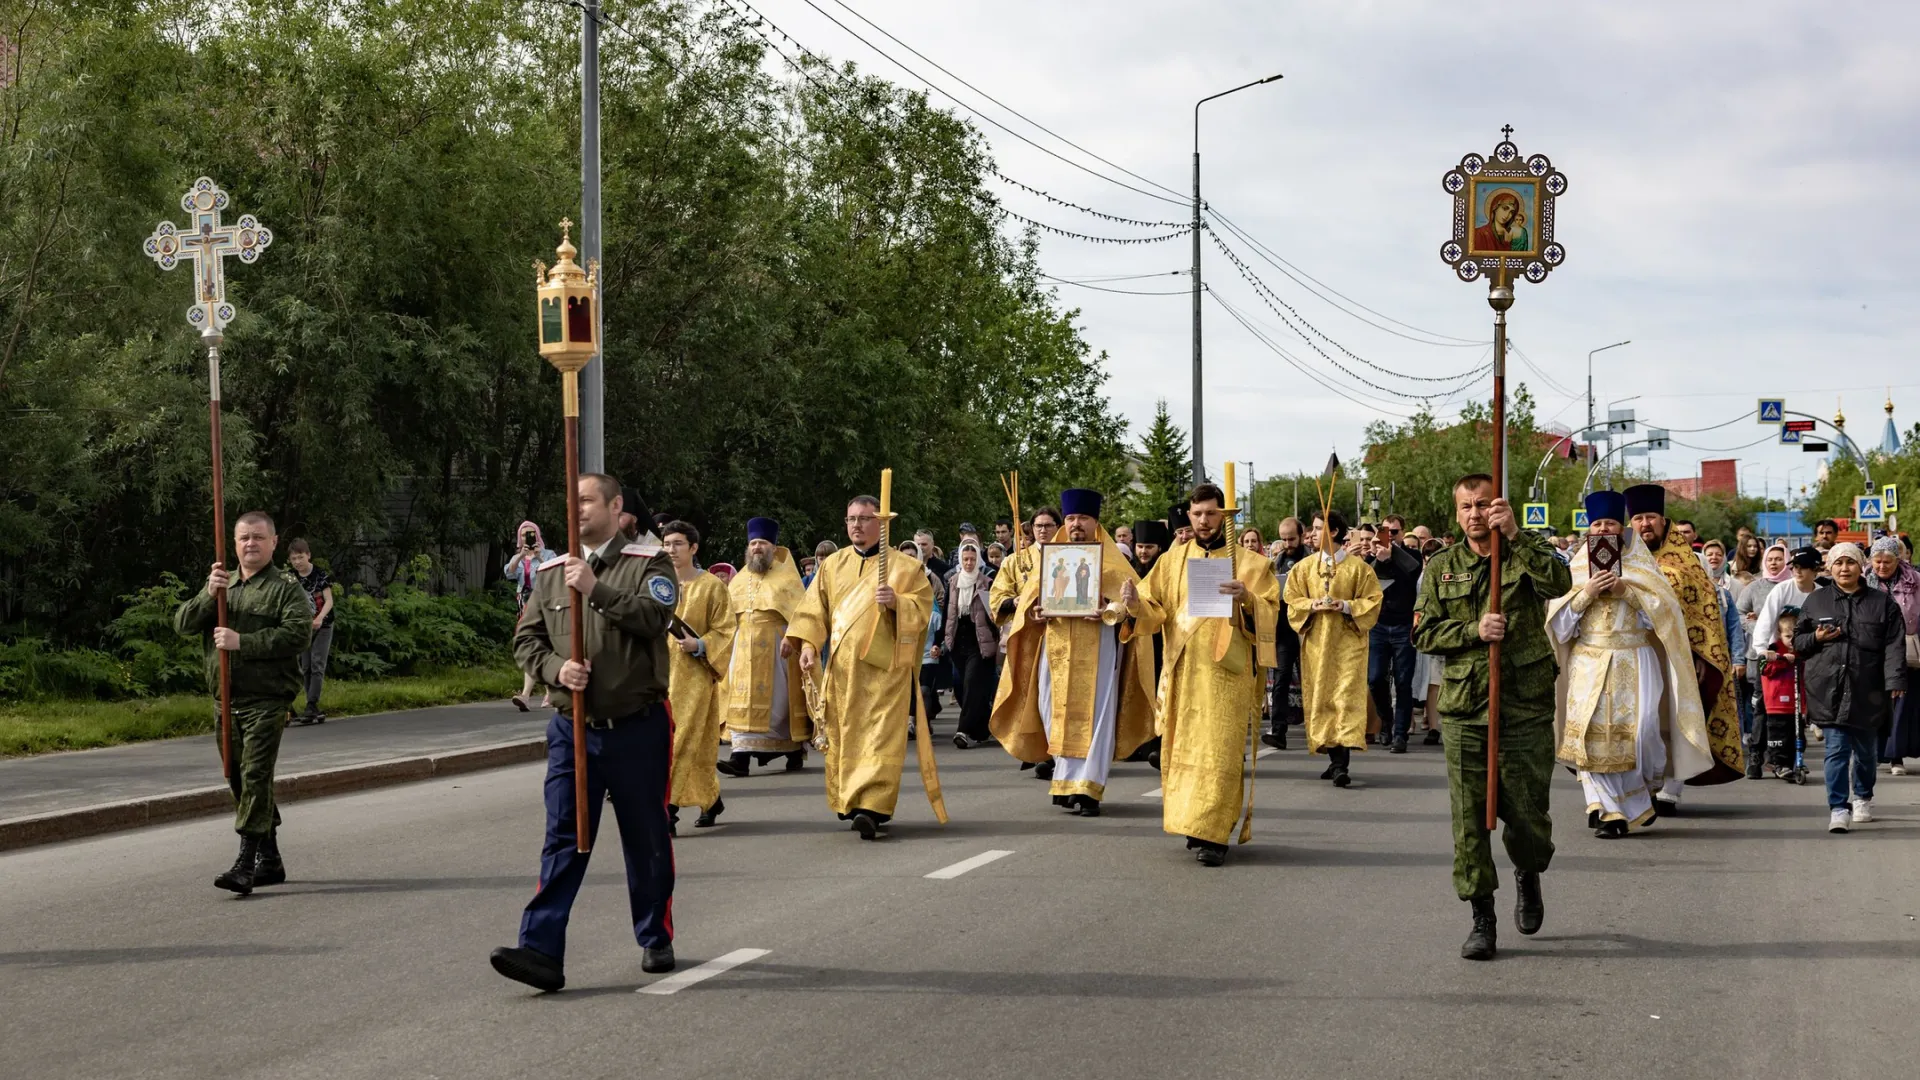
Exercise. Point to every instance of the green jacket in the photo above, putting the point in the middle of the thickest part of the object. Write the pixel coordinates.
(625, 625)
(1453, 596)
(275, 620)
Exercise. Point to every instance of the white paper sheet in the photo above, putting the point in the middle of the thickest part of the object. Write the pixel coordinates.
(1204, 598)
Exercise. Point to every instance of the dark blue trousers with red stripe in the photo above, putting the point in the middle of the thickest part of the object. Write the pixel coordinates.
(629, 761)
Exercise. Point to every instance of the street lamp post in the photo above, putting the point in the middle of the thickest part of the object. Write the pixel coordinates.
(1199, 468)
(1601, 349)
(1610, 405)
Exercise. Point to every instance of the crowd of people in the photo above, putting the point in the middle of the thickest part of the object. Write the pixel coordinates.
(1641, 655)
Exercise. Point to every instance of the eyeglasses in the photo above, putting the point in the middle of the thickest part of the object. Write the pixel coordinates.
(1388, 530)
(864, 519)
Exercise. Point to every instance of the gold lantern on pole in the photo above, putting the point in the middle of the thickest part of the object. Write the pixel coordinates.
(568, 301)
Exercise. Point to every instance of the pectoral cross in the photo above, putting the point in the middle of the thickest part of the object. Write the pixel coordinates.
(206, 243)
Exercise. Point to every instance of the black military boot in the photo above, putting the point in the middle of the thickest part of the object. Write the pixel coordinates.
(1529, 908)
(737, 764)
(239, 878)
(1342, 757)
(268, 869)
(1480, 945)
(711, 815)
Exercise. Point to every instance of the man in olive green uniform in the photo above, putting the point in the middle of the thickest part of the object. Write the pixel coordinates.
(269, 624)
(630, 590)
(1453, 623)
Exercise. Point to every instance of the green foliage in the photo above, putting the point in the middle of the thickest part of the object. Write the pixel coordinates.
(1844, 482)
(802, 287)
(1164, 469)
(161, 660)
(411, 628)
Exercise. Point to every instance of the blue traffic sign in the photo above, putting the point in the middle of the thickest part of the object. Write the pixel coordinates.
(1773, 410)
(1536, 516)
(1869, 508)
(1579, 521)
(1890, 498)
(1789, 437)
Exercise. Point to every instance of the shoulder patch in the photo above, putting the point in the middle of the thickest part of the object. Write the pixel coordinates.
(663, 590)
(555, 561)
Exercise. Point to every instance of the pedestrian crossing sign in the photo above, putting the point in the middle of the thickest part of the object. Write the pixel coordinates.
(1535, 516)
(1773, 410)
(1579, 521)
(1788, 436)
(1869, 508)
(1890, 498)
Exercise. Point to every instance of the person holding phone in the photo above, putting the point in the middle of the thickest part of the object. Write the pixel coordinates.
(529, 555)
(1853, 641)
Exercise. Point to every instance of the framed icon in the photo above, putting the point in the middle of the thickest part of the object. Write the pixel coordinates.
(1070, 580)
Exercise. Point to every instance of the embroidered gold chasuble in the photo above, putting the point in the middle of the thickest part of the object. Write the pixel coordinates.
(694, 695)
(1212, 679)
(872, 672)
(1600, 707)
(1073, 649)
(1707, 634)
(1333, 647)
(763, 604)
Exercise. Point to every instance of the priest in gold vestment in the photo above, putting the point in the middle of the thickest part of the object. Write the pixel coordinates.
(1629, 709)
(693, 690)
(1077, 692)
(1002, 598)
(1212, 679)
(1332, 601)
(860, 639)
(1706, 633)
(765, 704)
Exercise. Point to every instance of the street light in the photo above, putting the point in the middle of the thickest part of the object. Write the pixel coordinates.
(1199, 469)
(1601, 349)
(1610, 405)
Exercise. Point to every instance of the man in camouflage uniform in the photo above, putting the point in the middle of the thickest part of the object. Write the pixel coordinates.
(269, 624)
(1453, 623)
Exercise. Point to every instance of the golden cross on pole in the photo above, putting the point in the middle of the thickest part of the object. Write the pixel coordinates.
(206, 244)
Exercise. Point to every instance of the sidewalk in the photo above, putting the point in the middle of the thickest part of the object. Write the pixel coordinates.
(60, 796)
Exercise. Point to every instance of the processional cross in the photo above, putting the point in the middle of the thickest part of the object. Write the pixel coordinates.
(206, 243)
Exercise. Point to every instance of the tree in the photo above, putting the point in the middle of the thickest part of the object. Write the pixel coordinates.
(1163, 469)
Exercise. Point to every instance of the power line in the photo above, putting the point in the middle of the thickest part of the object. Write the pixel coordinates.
(1089, 238)
(1058, 201)
(1274, 259)
(995, 100)
(1129, 292)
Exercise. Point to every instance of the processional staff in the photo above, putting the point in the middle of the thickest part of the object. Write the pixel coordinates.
(206, 243)
(568, 297)
(1503, 223)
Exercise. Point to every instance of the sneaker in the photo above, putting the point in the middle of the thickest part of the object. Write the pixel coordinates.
(1839, 821)
(1862, 811)
(1899, 770)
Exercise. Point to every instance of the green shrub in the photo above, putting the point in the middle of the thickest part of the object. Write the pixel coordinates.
(30, 668)
(162, 661)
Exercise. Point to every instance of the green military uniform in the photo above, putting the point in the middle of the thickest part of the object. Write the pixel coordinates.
(625, 626)
(1453, 597)
(274, 618)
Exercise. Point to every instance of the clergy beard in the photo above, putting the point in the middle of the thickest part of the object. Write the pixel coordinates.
(1210, 543)
(759, 562)
(1657, 540)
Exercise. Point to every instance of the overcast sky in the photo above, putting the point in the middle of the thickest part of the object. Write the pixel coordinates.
(1742, 188)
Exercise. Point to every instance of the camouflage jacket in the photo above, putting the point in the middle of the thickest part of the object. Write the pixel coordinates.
(1454, 595)
(275, 620)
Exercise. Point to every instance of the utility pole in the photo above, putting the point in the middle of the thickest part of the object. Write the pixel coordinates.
(593, 382)
(1601, 349)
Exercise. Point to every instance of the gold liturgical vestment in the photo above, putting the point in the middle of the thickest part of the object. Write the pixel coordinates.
(1011, 580)
(1072, 649)
(872, 671)
(1212, 679)
(1700, 603)
(693, 693)
(763, 604)
(1333, 646)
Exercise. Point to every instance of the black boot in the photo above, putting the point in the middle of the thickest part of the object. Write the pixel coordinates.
(737, 764)
(1481, 944)
(867, 825)
(1086, 805)
(796, 760)
(239, 878)
(1529, 908)
(1044, 770)
(711, 815)
(657, 959)
(1341, 757)
(1432, 739)
(1399, 746)
(530, 966)
(268, 869)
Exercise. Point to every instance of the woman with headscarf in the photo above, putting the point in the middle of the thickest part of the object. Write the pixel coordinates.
(530, 552)
(1774, 569)
(973, 643)
(1713, 556)
(1891, 573)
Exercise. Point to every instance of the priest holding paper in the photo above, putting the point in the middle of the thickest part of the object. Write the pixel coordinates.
(1216, 604)
(1077, 690)
(860, 629)
(1332, 601)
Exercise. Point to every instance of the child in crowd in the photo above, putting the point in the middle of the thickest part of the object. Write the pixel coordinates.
(1781, 694)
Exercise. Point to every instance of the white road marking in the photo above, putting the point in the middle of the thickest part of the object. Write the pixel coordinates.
(680, 980)
(1154, 794)
(1264, 751)
(947, 873)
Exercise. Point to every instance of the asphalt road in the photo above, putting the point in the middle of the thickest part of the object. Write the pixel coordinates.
(1741, 940)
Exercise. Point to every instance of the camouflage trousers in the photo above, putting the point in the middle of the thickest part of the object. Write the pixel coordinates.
(254, 750)
(1526, 778)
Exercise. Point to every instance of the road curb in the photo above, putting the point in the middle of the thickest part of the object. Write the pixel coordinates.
(86, 821)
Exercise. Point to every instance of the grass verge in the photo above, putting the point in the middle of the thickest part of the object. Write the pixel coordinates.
(36, 727)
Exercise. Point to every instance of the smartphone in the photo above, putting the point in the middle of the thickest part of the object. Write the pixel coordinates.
(1826, 624)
